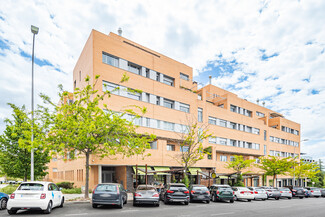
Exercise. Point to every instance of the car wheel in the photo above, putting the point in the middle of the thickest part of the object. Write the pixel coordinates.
(11, 212)
(249, 200)
(301, 197)
(157, 205)
(214, 199)
(126, 201)
(317, 196)
(186, 202)
(277, 198)
(165, 200)
(236, 197)
(231, 201)
(208, 201)
(263, 199)
(49, 208)
(289, 198)
(3, 203)
(62, 202)
(121, 205)
(94, 205)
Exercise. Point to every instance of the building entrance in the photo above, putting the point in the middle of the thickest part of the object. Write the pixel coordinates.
(108, 174)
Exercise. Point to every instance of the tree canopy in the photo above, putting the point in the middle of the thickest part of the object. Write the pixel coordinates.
(81, 126)
(238, 164)
(15, 146)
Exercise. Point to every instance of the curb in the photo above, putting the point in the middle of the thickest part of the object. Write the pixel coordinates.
(82, 202)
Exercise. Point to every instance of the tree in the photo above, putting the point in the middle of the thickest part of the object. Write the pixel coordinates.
(15, 146)
(82, 128)
(274, 166)
(238, 165)
(320, 176)
(305, 170)
(191, 146)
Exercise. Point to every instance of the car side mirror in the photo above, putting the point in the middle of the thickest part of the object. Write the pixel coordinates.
(60, 189)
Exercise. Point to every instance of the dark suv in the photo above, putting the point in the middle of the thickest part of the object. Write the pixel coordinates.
(221, 192)
(297, 191)
(199, 193)
(175, 192)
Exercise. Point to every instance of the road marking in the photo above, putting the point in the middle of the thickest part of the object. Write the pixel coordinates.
(132, 210)
(226, 213)
(76, 214)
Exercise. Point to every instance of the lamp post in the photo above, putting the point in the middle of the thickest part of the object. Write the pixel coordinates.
(294, 165)
(34, 30)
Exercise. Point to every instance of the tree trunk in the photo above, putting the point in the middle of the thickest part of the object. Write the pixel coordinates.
(274, 180)
(87, 176)
(25, 177)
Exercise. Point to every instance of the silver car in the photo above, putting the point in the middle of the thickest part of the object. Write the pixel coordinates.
(259, 193)
(285, 193)
(314, 192)
(146, 194)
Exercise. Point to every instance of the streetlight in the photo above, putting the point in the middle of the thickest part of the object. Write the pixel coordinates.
(34, 30)
(294, 165)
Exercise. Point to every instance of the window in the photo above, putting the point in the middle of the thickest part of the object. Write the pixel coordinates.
(257, 160)
(134, 68)
(248, 113)
(233, 125)
(153, 145)
(256, 131)
(147, 73)
(79, 75)
(146, 122)
(222, 123)
(257, 146)
(170, 147)
(212, 121)
(199, 97)
(169, 103)
(200, 115)
(168, 80)
(265, 135)
(74, 84)
(133, 95)
(221, 106)
(107, 86)
(212, 140)
(233, 142)
(249, 145)
(146, 97)
(223, 158)
(232, 158)
(157, 76)
(260, 114)
(169, 126)
(157, 100)
(109, 59)
(222, 141)
(184, 76)
(272, 153)
(184, 148)
(184, 107)
(248, 129)
(233, 108)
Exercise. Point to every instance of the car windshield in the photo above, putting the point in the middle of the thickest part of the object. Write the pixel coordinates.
(224, 189)
(31, 187)
(177, 188)
(111, 188)
(200, 188)
(144, 187)
(284, 189)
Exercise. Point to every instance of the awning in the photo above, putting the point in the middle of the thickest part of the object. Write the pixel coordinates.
(193, 170)
(139, 171)
(223, 177)
(161, 169)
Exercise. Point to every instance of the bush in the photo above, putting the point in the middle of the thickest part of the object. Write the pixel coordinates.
(72, 191)
(9, 189)
(65, 185)
(186, 181)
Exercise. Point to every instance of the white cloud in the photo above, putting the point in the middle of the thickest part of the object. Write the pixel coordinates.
(194, 33)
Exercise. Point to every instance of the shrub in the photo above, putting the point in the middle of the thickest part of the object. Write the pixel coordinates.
(65, 185)
(186, 181)
(9, 189)
(72, 191)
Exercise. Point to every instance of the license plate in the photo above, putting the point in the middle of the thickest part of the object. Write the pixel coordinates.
(178, 200)
(105, 195)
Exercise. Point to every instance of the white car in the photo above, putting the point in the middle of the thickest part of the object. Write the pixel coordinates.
(285, 193)
(259, 193)
(243, 193)
(35, 196)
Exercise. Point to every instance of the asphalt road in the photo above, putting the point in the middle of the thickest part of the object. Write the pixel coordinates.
(295, 207)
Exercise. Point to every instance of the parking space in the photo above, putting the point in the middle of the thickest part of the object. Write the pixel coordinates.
(283, 207)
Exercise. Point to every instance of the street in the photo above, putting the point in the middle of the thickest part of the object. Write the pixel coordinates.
(283, 207)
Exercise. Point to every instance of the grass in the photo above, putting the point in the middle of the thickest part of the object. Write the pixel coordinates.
(9, 189)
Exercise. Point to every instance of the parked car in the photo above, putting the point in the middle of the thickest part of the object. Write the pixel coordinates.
(307, 192)
(322, 191)
(243, 193)
(314, 192)
(259, 193)
(273, 193)
(175, 192)
(35, 196)
(109, 194)
(199, 193)
(146, 194)
(3, 200)
(285, 193)
(297, 191)
(222, 193)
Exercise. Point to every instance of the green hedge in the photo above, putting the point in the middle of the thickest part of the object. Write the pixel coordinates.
(65, 185)
(9, 189)
(72, 191)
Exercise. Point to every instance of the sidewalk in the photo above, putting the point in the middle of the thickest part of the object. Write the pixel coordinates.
(72, 197)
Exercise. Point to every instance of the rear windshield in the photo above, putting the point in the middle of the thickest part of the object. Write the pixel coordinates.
(224, 189)
(200, 188)
(109, 188)
(31, 187)
(146, 188)
(284, 189)
(177, 188)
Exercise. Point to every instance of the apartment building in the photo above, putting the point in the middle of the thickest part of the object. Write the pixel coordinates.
(238, 127)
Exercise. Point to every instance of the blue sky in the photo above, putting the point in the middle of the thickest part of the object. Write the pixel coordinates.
(267, 50)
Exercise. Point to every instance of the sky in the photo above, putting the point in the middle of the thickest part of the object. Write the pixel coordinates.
(267, 50)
